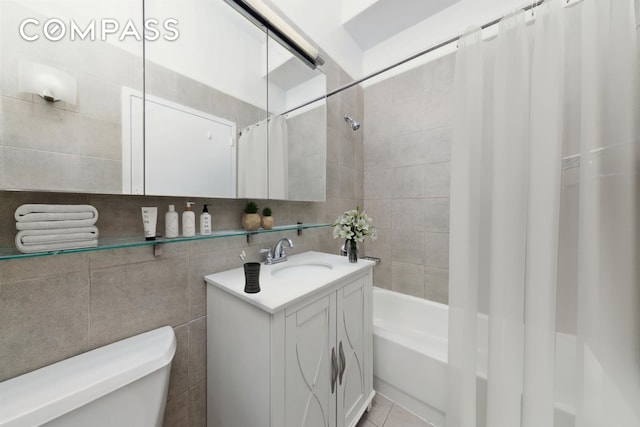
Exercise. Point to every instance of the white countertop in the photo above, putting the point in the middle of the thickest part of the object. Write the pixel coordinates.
(277, 293)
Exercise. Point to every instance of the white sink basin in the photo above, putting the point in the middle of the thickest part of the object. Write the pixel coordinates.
(300, 271)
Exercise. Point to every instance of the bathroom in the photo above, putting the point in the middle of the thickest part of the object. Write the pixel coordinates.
(396, 166)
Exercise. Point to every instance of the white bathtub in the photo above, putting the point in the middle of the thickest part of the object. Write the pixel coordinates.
(410, 357)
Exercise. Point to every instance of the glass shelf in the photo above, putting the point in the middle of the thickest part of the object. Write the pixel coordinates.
(129, 242)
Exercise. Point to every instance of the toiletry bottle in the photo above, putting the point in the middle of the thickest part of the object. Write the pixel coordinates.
(149, 220)
(171, 227)
(188, 221)
(205, 222)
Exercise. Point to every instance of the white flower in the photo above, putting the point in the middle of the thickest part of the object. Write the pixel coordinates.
(354, 225)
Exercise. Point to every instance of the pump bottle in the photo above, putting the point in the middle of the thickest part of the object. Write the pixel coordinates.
(171, 227)
(188, 221)
(205, 222)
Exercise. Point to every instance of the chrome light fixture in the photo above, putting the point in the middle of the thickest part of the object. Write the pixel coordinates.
(263, 16)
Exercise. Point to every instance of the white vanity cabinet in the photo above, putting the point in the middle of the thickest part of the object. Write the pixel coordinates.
(299, 353)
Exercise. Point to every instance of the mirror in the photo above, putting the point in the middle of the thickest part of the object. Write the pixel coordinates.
(60, 50)
(246, 147)
(297, 132)
(176, 129)
(291, 166)
(201, 90)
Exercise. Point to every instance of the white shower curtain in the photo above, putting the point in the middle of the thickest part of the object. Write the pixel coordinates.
(278, 158)
(253, 180)
(263, 166)
(534, 107)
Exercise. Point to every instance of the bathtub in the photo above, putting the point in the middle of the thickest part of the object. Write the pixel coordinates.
(410, 358)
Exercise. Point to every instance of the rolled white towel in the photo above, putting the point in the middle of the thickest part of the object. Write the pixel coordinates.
(33, 237)
(56, 216)
(50, 247)
(49, 225)
(44, 212)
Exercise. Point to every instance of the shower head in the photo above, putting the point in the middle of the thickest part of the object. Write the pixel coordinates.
(354, 125)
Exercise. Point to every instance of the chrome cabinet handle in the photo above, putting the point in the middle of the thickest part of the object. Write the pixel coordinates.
(334, 369)
(342, 363)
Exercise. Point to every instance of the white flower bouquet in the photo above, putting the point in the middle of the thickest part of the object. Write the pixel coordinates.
(354, 225)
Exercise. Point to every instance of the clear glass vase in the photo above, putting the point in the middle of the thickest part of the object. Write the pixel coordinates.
(352, 250)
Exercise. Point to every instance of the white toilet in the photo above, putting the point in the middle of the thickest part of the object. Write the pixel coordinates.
(121, 384)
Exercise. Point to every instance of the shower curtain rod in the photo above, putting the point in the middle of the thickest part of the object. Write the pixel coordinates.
(254, 125)
(404, 61)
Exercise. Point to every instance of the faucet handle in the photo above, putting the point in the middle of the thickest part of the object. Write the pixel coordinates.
(269, 256)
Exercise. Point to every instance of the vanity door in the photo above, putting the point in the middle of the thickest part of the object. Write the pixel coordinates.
(310, 356)
(329, 364)
(354, 385)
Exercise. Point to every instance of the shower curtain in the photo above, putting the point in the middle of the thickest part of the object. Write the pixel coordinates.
(253, 180)
(544, 211)
(263, 165)
(278, 158)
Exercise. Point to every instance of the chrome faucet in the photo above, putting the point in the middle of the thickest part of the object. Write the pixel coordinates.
(343, 248)
(277, 254)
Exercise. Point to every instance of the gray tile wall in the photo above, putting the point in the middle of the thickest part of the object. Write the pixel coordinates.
(407, 136)
(345, 148)
(175, 87)
(306, 151)
(55, 307)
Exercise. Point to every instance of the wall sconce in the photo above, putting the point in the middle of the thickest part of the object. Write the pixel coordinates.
(48, 82)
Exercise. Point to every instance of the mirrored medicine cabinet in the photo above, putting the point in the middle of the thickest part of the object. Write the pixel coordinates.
(187, 98)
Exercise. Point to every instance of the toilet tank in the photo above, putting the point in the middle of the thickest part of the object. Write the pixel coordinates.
(120, 384)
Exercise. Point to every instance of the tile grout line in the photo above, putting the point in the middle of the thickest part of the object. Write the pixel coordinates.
(388, 413)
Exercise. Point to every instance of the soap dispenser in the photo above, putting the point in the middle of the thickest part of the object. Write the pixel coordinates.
(205, 222)
(188, 221)
(171, 227)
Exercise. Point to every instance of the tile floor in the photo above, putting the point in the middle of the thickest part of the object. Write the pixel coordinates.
(385, 413)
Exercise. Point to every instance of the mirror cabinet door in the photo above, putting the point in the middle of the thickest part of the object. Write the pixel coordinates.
(202, 91)
(97, 98)
(297, 131)
(65, 67)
